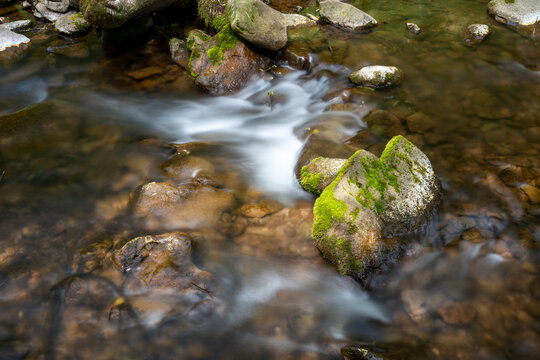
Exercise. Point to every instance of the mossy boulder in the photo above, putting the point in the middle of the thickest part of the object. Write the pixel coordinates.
(371, 203)
(376, 76)
(223, 64)
(319, 173)
(258, 24)
(345, 16)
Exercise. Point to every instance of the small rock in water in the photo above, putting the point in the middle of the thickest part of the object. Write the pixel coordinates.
(376, 76)
(50, 15)
(345, 16)
(371, 202)
(12, 44)
(293, 21)
(515, 12)
(457, 313)
(16, 25)
(56, 6)
(413, 28)
(477, 33)
(179, 52)
(72, 24)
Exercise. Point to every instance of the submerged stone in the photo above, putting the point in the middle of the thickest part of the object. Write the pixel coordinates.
(258, 24)
(372, 202)
(345, 16)
(515, 12)
(376, 76)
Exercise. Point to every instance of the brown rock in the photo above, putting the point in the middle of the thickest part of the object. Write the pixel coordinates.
(161, 261)
(254, 211)
(147, 72)
(163, 206)
(419, 122)
(298, 56)
(384, 124)
(457, 313)
(533, 193)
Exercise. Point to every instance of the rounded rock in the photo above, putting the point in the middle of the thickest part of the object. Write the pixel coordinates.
(376, 76)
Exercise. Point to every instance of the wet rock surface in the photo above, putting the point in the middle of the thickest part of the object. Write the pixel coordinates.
(515, 12)
(345, 16)
(72, 24)
(477, 32)
(12, 44)
(370, 202)
(223, 64)
(258, 24)
(376, 76)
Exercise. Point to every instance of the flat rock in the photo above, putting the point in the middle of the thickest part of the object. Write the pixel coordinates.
(515, 12)
(16, 25)
(372, 202)
(376, 76)
(12, 44)
(50, 15)
(293, 21)
(258, 24)
(345, 16)
(72, 24)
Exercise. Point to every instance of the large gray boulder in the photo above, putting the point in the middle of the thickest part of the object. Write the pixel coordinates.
(345, 16)
(12, 44)
(110, 14)
(515, 12)
(371, 203)
(258, 24)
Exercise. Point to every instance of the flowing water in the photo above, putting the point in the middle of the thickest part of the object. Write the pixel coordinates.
(80, 130)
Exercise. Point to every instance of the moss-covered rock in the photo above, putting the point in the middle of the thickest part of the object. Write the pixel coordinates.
(345, 16)
(215, 13)
(371, 202)
(222, 64)
(319, 173)
(72, 24)
(258, 24)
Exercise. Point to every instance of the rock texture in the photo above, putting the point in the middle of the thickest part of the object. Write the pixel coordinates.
(16, 25)
(72, 24)
(50, 15)
(293, 21)
(345, 16)
(258, 24)
(12, 44)
(110, 14)
(372, 202)
(413, 28)
(477, 32)
(376, 76)
(223, 64)
(515, 12)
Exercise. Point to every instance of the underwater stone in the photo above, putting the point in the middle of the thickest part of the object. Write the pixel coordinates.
(361, 215)
(376, 76)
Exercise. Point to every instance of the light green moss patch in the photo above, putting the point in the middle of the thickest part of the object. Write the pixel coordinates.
(227, 41)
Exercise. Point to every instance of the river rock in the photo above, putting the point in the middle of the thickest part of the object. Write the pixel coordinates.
(179, 52)
(319, 173)
(214, 13)
(376, 76)
(12, 44)
(56, 6)
(258, 24)
(50, 15)
(345, 16)
(515, 12)
(413, 28)
(161, 206)
(72, 24)
(110, 14)
(477, 32)
(161, 261)
(15, 25)
(224, 64)
(371, 202)
(294, 21)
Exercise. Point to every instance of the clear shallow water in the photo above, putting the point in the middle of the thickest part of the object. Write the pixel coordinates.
(67, 167)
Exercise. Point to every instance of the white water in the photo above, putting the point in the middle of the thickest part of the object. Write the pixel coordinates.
(257, 123)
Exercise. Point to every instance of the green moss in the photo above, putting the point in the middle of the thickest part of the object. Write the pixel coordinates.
(215, 13)
(309, 181)
(80, 22)
(509, 1)
(227, 41)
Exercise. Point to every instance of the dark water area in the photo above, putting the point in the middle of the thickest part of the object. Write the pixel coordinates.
(83, 126)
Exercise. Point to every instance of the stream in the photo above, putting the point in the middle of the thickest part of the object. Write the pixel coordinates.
(81, 131)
